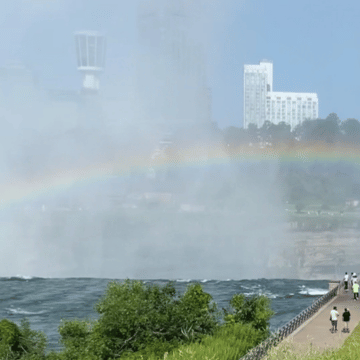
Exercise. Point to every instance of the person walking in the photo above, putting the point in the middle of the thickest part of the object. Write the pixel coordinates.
(346, 318)
(351, 279)
(333, 317)
(346, 281)
(355, 289)
(355, 278)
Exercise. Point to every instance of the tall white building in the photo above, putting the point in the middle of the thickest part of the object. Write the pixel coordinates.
(262, 104)
(258, 81)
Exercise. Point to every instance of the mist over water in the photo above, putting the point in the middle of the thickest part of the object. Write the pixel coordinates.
(67, 209)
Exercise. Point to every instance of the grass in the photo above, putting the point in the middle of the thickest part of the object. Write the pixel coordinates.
(230, 343)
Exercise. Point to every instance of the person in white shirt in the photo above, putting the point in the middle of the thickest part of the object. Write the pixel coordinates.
(333, 317)
(346, 281)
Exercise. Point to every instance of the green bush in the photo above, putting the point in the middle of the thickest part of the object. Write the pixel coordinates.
(135, 318)
(32, 343)
(21, 342)
(255, 311)
(156, 349)
(10, 339)
(229, 342)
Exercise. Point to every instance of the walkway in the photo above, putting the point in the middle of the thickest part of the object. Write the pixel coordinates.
(317, 330)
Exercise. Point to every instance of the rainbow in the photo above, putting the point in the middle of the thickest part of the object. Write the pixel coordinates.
(15, 191)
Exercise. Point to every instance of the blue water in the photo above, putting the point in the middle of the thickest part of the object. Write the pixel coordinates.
(45, 301)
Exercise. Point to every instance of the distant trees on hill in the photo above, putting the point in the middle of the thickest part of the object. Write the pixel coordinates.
(330, 130)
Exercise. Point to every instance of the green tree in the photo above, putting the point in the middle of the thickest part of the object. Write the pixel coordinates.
(266, 131)
(253, 133)
(254, 310)
(350, 128)
(282, 133)
(32, 342)
(20, 342)
(319, 130)
(10, 339)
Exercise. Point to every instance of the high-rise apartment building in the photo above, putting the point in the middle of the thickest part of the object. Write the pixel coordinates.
(257, 83)
(262, 104)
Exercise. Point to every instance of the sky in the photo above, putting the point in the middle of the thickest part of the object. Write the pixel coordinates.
(314, 46)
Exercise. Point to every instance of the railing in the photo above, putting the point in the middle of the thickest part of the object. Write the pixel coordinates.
(276, 337)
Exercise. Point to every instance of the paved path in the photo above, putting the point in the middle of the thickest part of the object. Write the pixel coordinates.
(317, 330)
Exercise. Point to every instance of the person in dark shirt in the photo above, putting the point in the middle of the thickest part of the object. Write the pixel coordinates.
(346, 319)
(346, 281)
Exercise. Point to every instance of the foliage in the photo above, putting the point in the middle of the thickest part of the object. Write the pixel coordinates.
(255, 311)
(32, 342)
(230, 342)
(156, 349)
(10, 340)
(310, 179)
(21, 342)
(135, 318)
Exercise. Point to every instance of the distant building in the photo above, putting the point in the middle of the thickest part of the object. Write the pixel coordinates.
(171, 73)
(257, 84)
(292, 108)
(352, 202)
(262, 104)
(90, 52)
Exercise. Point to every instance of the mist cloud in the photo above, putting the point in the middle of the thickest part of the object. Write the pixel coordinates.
(75, 229)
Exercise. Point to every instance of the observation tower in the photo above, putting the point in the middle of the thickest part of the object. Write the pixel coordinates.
(90, 52)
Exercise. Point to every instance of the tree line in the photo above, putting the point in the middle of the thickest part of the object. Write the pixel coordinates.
(330, 130)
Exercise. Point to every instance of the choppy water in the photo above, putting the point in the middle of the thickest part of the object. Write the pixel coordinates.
(45, 301)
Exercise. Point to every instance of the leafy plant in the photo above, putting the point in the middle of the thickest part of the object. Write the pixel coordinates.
(255, 311)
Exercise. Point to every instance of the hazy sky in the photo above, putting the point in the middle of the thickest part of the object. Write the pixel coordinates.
(314, 46)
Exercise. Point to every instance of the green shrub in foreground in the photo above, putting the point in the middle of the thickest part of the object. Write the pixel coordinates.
(255, 311)
(230, 342)
(156, 350)
(20, 342)
(135, 317)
